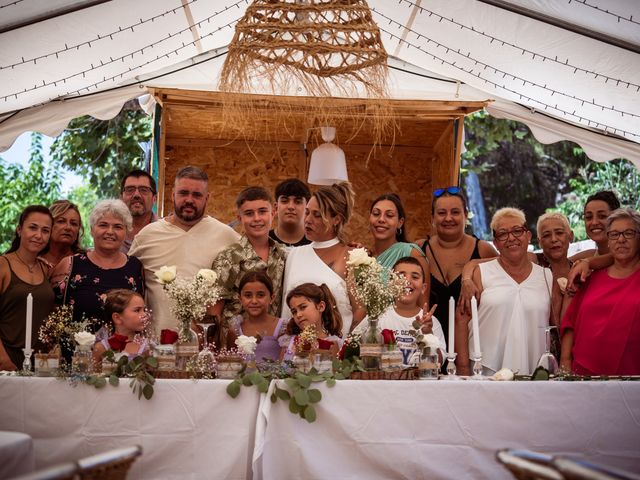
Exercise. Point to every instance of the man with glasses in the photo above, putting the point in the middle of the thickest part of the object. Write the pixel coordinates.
(138, 192)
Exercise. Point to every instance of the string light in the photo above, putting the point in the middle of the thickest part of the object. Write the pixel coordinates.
(110, 36)
(504, 73)
(523, 51)
(520, 95)
(122, 58)
(607, 12)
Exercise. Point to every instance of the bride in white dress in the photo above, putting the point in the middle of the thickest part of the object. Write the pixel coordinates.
(324, 260)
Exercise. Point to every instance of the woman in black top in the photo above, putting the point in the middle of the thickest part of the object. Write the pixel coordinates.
(449, 250)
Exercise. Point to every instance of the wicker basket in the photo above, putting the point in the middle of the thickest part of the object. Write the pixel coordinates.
(406, 374)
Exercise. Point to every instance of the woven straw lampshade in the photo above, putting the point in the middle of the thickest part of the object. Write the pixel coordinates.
(317, 48)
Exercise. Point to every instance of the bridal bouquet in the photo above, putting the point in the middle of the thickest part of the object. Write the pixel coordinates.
(373, 286)
(190, 297)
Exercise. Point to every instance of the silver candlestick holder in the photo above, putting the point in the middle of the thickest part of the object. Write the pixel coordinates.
(451, 366)
(26, 365)
(477, 366)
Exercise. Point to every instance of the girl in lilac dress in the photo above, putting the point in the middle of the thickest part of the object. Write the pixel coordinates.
(256, 294)
(128, 315)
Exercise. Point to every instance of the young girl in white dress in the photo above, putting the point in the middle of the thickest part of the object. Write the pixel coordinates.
(313, 305)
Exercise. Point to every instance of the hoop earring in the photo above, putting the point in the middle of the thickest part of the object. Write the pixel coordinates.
(399, 231)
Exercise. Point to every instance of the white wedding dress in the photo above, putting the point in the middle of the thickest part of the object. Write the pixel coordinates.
(304, 266)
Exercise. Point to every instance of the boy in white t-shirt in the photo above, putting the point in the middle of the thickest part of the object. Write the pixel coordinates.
(401, 316)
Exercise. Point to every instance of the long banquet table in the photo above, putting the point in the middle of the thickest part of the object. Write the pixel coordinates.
(364, 429)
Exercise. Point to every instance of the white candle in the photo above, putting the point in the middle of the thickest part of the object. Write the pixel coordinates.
(452, 320)
(474, 326)
(27, 336)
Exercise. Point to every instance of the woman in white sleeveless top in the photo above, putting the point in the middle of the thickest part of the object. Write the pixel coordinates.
(515, 303)
(324, 259)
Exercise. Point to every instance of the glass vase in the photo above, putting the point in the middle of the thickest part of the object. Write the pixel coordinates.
(371, 346)
(82, 360)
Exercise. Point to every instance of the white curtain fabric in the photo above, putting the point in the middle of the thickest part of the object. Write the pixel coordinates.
(495, 54)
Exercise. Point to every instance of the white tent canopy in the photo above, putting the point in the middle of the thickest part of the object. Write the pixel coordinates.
(568, 69)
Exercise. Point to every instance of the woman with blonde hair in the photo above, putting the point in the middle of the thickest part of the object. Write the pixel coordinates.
(66, 233)
(324, 260)
(515, 305)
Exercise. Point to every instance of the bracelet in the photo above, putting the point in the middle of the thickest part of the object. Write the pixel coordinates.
(467, 279)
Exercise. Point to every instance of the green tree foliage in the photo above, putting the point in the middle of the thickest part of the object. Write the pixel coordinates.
(85, 197)
(516, 170)
(103, 151)
(620, 176)
(37, 183)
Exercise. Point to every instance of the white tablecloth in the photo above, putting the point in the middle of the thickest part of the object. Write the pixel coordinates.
(188, 430)
(16, 454)
(443, 430)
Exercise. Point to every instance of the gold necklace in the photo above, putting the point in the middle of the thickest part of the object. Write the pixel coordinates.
(30, 268)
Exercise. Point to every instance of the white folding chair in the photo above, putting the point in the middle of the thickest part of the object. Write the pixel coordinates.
(111, 465)
(525, 465)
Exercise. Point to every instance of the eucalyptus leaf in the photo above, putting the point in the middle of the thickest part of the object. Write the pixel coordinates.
(152, 362)
(114, 380)
(303, 380)
(310, 414)
(282, 394)
(301, 397)
(233, 389)
(339, 376)
(293, 406)
(100, 382)
(263, 387)
(147, 391)
(331, 382)
(540, 373)
(291, 383)
(315, 395)
(246, 381)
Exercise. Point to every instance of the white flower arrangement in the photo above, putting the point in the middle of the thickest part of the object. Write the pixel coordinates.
(84, 338)
(246, 345)
(504, 375)
(374, 287)
(190, 297)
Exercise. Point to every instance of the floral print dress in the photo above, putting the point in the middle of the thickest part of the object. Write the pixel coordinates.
(87, 285)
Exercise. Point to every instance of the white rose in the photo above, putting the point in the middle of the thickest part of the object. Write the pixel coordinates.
(84, 338)
(207, 275)
(166, 274)
(431, 340)
(504, 374)
(359, 256)
(246, 345)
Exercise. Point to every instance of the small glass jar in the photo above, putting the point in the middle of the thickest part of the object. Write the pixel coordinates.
(429, 365)
(166, 356)
(82, 361)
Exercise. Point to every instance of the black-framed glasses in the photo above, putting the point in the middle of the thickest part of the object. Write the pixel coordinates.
(143, 190)
(628, 234)
(438, 192)
(502, 235)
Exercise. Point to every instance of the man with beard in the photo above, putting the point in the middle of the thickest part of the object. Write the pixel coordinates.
(138, 192)
(187, 238)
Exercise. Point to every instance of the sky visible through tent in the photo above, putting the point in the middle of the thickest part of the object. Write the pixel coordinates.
(19, 154)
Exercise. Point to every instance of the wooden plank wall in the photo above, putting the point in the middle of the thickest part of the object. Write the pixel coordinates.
(406, 171)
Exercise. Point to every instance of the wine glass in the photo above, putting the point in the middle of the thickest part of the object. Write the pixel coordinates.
(547, 360)
(204, 323)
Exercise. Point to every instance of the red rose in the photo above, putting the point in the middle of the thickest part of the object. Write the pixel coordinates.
(388, 337)
(117, 342)
(324, 344)
(168, 337)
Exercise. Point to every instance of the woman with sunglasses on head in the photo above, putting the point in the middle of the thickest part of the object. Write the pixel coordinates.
(601, 328)
(515, 305)
(450, 249)
(66, 233)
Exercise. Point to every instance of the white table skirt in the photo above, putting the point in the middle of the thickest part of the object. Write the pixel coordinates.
(16, 454)
(364, 429)
(188, 430)
(443, 430)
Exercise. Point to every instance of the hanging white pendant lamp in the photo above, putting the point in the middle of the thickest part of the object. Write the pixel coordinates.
(328, 163)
